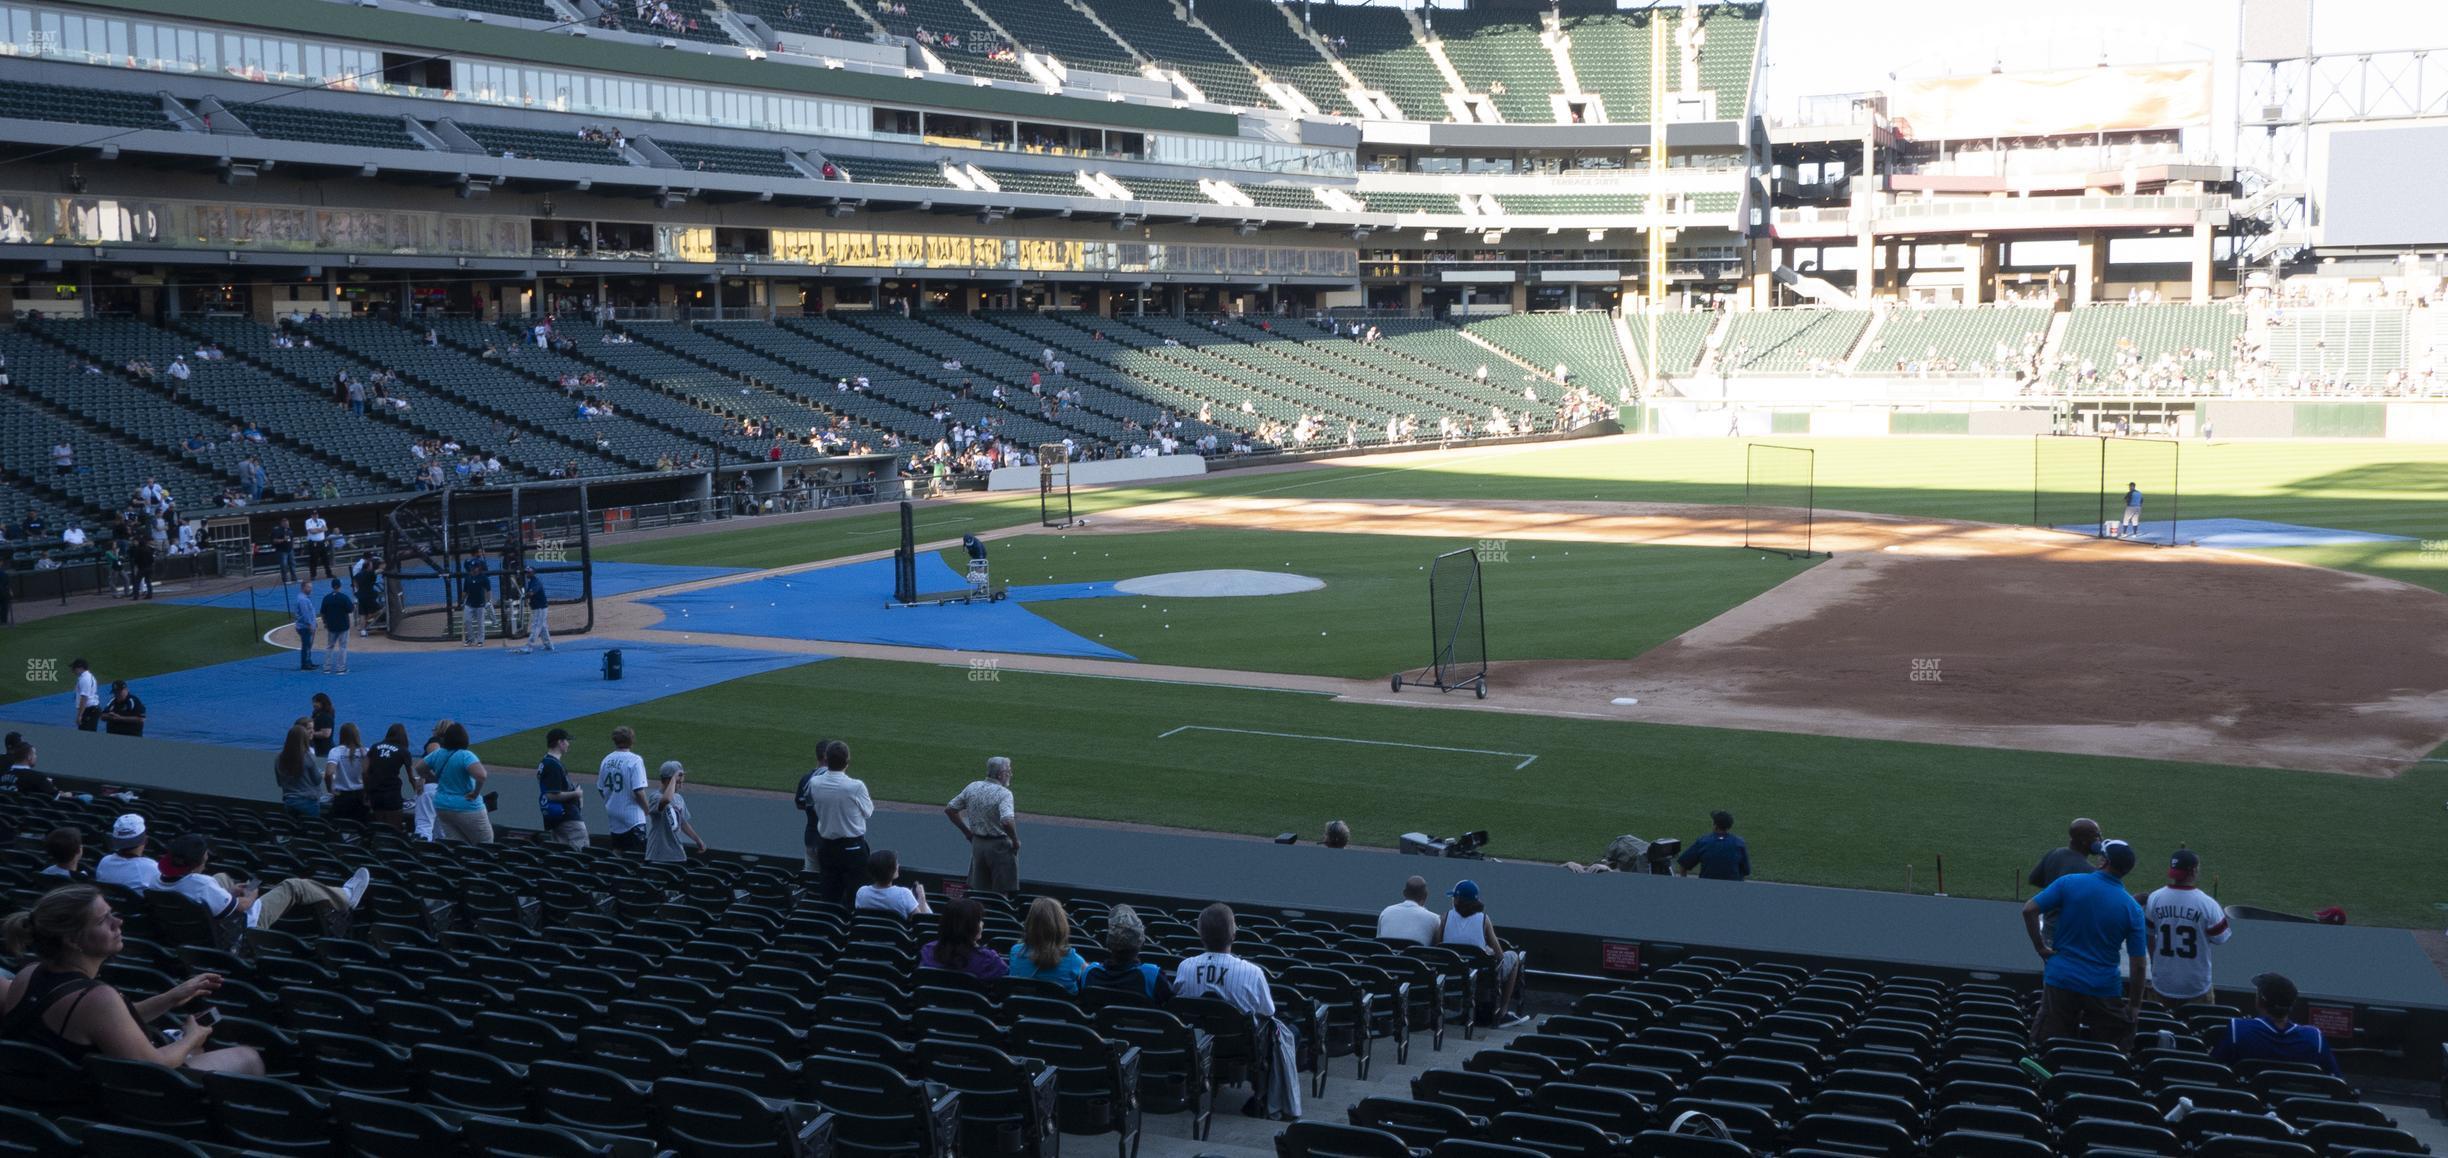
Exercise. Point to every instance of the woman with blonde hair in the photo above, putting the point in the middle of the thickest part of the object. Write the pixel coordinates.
(58, 1003)
(1045, 951)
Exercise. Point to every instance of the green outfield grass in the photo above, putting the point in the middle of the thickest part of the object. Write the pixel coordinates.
(128, 643)
(1820, 811)
(2383, 487)
(1543, 599)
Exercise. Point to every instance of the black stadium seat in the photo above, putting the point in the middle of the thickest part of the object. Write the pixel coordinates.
(1307, 1139)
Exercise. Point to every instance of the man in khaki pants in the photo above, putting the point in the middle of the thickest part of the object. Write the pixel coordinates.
(983, 814)
(224, 899)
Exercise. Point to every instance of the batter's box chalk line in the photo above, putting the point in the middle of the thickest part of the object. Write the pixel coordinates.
(1526, 758)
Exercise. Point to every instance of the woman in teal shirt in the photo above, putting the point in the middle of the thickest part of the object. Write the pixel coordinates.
(1045, 951)
(459, 780)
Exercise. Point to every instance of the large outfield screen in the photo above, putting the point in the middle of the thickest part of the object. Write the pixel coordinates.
(2367, 196)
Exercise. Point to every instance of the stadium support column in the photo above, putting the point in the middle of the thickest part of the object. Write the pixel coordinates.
(2090, 266)
(2202, 254)
(1980, 268)
(1763, 273)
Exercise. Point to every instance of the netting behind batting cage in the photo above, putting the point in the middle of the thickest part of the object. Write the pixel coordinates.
(2068, 492)
(1054, 484)
(1780, 488)
(2085, 484)
(2147, 470)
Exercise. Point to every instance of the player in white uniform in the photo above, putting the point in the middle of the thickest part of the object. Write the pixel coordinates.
(2182, 922)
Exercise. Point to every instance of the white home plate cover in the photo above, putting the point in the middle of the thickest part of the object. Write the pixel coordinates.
(1209, 584)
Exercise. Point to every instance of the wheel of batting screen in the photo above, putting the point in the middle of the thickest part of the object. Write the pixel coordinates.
(1483, 691)
(1398, 681)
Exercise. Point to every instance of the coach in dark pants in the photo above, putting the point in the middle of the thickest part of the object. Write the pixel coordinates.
(837, 808)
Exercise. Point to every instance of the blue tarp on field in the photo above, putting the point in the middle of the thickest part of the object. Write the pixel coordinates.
(847, 603)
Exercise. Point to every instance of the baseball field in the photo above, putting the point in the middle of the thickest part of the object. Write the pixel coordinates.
(1948, 688)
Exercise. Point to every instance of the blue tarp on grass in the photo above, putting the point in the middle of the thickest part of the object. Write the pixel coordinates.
(2243, 534)
(847, 603)
(250, 703)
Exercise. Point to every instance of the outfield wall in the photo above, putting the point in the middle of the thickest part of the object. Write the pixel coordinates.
(1718, 417)
(1103, 472)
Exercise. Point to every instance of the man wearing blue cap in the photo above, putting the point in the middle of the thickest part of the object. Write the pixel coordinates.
(1467, 927)
(2093, 917)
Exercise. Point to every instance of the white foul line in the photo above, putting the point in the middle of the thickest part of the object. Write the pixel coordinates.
(1527, 758)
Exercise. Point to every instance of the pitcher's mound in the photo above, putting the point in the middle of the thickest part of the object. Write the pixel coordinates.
(1211, 584)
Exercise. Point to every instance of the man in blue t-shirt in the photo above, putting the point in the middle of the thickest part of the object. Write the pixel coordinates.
(1721, 855)
(2093, 916)
(2270, 1035)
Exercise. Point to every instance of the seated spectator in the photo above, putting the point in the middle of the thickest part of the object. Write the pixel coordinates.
(22, 776)
(127, 864)
(225, 899)
(64, 850)
(2270, 1034)
(957, 931)
(1409, 919)
(58, 1004)
(881, 895)
(1242, 985)
(1045, 951)
(1467, 927)
(1125, 937)
(1719, 856)
(1338, 834)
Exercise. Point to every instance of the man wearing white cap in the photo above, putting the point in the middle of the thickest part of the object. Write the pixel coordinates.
(127, 866)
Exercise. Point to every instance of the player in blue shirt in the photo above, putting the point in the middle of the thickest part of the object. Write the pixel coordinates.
(1721, 855)
(2094, 916)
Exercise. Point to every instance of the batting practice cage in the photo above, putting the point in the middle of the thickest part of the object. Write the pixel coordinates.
(428, 540)
(1779, 490)
(1054, 485)
(2081, 483)
(1457, 627)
